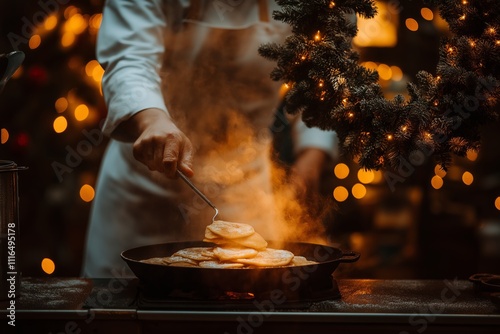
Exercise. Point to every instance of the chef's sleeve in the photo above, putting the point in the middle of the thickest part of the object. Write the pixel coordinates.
(305, 137)
(130, 47)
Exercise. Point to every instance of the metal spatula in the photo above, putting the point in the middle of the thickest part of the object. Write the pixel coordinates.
(196, 190)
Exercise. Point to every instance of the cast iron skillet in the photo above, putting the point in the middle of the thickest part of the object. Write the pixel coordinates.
(162, 279)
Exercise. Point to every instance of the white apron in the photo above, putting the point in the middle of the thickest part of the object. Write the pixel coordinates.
(218, 91)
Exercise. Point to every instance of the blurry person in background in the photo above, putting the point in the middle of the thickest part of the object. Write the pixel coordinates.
(186, 89)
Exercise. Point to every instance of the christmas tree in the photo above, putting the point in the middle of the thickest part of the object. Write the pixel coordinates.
(443, 112)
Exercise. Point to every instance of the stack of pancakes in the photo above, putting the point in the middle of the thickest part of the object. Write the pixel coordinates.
(238, 246)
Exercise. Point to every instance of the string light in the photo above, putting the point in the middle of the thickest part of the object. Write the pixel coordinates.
(437, 182)
(341, 171)
(332, 4)
(48, 266)
(87, 193)
(467, 178)
(358, 191)
(4, 136)
(439, 171)
(389, 137)
(340, 194)
(317, 37)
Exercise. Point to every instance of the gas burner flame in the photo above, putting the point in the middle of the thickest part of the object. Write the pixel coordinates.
(231, 295)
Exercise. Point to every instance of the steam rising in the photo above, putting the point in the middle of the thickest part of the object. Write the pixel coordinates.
(220, 94)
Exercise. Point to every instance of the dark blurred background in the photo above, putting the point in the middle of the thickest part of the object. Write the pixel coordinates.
(433, 224)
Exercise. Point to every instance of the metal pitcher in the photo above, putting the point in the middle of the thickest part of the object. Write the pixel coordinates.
(9, 230)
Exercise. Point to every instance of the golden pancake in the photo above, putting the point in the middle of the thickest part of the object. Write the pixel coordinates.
(230, 230)
(269, 258)
(216, 264)
(178, 259)
(209, 252)
(194, 253)
(231, 253)
(210, 235)
(255, 241)
(155, 260)
(301, 261)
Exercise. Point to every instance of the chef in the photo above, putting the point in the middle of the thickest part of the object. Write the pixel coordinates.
(186, 89)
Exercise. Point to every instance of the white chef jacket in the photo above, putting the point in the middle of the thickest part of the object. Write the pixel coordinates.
(199, 63)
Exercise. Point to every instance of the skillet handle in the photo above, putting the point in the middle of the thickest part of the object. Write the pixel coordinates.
(349, 256)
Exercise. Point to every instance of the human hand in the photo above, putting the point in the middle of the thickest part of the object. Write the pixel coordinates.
(158, 142)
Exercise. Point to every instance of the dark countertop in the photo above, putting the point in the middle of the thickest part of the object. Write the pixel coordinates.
(79, 305)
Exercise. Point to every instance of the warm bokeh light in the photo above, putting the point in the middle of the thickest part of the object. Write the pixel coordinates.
(497, 203)
(97, 73)
(67, 39)
(4, 136)
(61, 104)
(380, 31)
(341, 171)
(397, 73)
(76, 24)
(18, 73)
(87, 193)
(439, 171)
(60, 124)
(91, 65)
(50, 22)
(472, 155)
(95, 21)
(357, 240)
(48, 266)
(366, 176)
(34, 42)
(370, 65)
(340, 194)
(70, 11)
(427, 14)
(81, 112)
(358, 191)
(378, 176)
(467, 178)
(384, 72)
(437, 182)
(411, 24)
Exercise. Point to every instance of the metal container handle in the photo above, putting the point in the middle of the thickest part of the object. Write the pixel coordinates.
(349, 256)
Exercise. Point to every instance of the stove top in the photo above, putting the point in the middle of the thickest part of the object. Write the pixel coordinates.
(277, 299)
